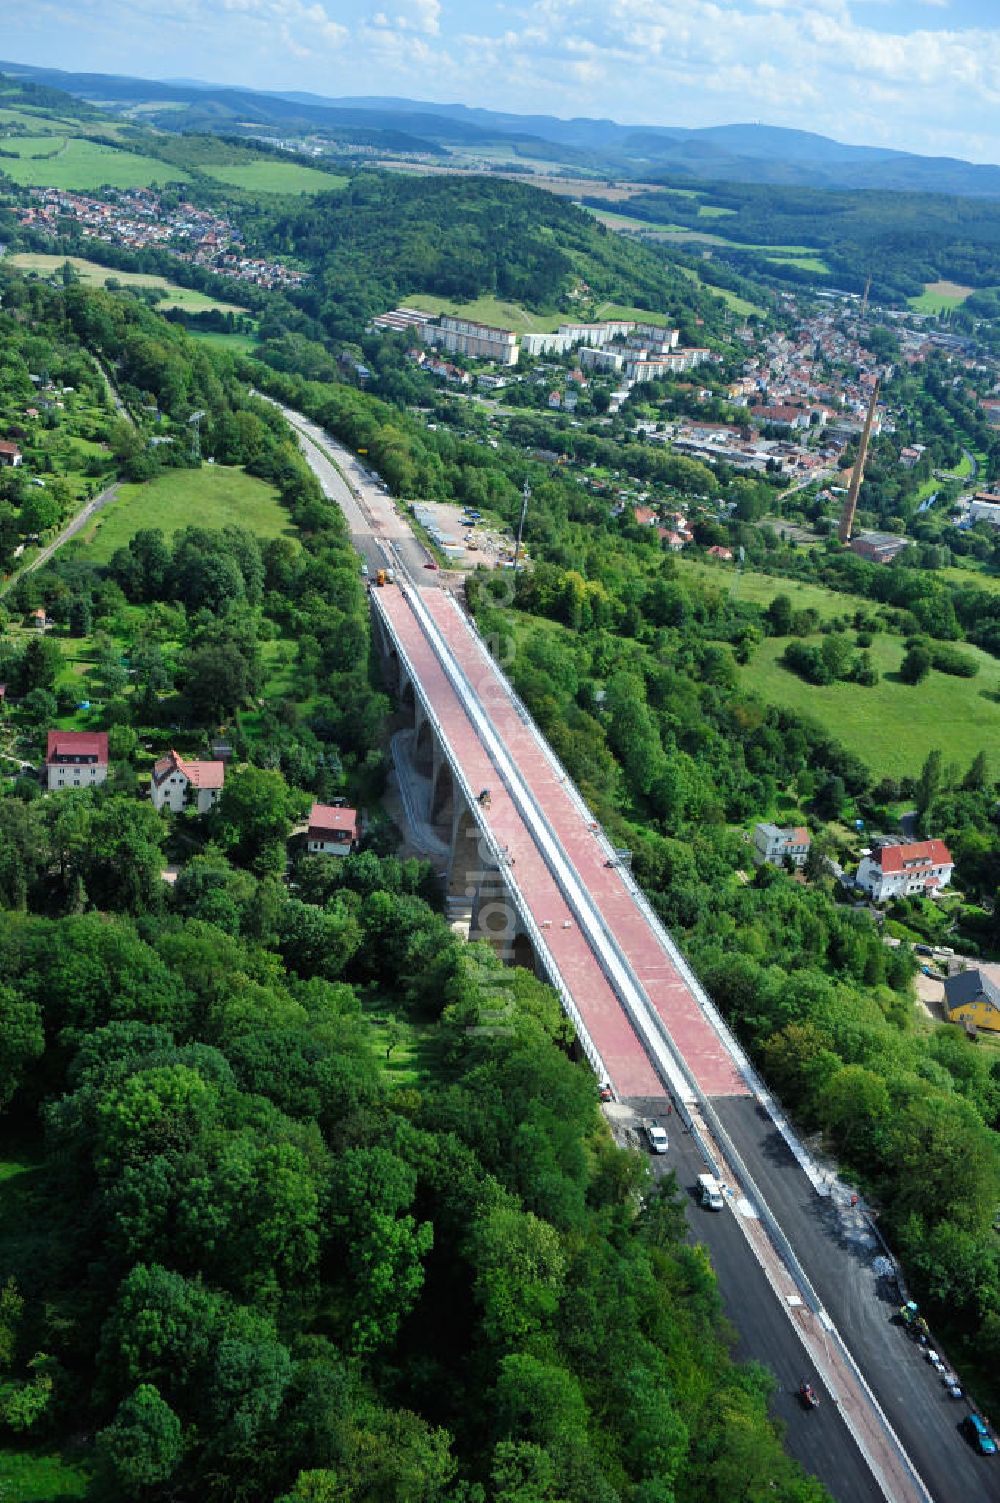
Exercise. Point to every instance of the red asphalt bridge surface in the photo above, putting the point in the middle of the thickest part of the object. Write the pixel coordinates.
(625, 1058)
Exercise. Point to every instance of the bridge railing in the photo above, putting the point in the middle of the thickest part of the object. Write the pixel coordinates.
(531, 926)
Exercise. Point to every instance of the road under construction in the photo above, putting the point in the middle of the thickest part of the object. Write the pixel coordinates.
(794, 1251)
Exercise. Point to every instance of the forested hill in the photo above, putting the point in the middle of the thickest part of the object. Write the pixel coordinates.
(385, 236)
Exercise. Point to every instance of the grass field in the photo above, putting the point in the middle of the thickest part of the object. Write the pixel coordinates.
(37, 1477)
(805, 263)
(489, 310)
(714, 211)
(937, 297)
(733, 299)
(84, 164)
(892, 726)
(275, 177)
(237, 344)
(94, 275)
(214, 496)
(760, 589)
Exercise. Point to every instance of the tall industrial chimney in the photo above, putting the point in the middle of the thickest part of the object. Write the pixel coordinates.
(851, 504)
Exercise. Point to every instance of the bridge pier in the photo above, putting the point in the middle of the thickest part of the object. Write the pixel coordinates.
(477, 899)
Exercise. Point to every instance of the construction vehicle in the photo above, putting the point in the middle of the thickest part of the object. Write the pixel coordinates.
(380, 578)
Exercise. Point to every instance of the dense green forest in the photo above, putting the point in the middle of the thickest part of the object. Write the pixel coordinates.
(903, 240)
(385, 236)
(631, 674)
(278, 1218)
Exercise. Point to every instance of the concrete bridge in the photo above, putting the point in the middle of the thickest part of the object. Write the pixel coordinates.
(529, 870)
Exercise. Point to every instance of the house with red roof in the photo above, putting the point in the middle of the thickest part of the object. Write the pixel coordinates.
(919, 868)
(178, 782)
(10, 454)
(332, 831)
(76, 759)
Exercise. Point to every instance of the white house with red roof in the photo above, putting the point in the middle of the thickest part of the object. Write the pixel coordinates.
(177, 782)
(10, 454)
(904, 871)
(332, 831)
(76, 759)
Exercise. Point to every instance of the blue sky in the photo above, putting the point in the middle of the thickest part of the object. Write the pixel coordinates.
(921, 75)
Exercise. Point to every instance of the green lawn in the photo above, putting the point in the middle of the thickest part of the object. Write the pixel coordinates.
(214, 496)
(737, 303)
(85, 164)
(937, 297)
(805, 263)
(237, 344)
(268, 176)
(894, 725)
(95, 275)
(760, 589)
(488, 310)
(38, 1477)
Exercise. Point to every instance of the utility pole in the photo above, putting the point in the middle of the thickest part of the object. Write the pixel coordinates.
(520, 526)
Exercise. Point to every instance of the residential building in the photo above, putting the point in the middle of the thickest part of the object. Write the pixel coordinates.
(10, 454)
(973, 998)
(775, 844)
(903, 871)
(332, 831)
(76, 759)
(985, 507)
(464, 336)
(177, 783)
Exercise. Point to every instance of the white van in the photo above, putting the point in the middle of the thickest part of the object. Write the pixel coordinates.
(709, 1192)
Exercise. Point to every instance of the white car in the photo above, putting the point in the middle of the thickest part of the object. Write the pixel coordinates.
(656, 1138)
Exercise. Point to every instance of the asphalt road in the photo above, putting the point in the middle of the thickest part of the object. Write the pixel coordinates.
(377, 529)
(69, 531)
(835, 1248)
(819, 1439)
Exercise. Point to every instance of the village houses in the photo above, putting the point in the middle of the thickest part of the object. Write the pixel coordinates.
(920, 868)
(177, 782)
(332, 831)
(76, 759)
(776, 845)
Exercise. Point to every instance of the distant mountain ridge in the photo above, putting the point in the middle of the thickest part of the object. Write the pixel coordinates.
(740, 153)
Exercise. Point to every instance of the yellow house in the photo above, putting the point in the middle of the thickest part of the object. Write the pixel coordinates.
(971, 998)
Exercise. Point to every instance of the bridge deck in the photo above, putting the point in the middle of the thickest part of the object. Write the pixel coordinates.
(628, 1067)
(693, 1034)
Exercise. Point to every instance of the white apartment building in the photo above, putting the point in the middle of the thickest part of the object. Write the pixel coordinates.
(464, 336)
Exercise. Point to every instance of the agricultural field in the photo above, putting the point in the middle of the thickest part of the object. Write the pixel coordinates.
(214, 496)
(268, 176)
(80, 164)
(938, 297)
(893, 725)
(94, 275)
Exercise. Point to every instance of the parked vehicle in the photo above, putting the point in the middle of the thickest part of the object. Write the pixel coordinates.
(656, 1137)
(974, 1427)
(710, 1192)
